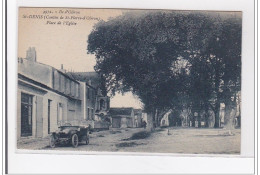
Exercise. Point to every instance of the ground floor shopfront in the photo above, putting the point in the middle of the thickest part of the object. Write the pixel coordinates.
(40, 110)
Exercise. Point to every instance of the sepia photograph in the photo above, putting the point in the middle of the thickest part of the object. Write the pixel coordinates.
(129, 80)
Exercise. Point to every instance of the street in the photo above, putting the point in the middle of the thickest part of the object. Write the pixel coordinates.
(176, 140)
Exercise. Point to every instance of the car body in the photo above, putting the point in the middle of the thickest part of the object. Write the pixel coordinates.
(68, 134)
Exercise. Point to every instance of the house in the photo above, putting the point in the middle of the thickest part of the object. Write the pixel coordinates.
(45, 97)
(96, 103)
(48, 97)
(122, 117)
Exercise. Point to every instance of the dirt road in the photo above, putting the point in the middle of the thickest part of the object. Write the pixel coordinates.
(176, 140)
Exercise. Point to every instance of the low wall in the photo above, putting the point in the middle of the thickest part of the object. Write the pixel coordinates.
(100, 125)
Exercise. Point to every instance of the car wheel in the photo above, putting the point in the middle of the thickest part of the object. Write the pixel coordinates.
(74, 140)
(87, 140)
(52, 141)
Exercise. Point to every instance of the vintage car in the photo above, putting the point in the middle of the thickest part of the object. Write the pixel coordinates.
(68, 134)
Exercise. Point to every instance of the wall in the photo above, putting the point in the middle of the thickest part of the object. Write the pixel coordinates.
(67, 96)
(64, 84)
(36, 71)
(23, 88)
(101, 125)
(82, 92)
(90, 102)
(56, 101)
(42, 110)
(74, 110)
(116, 122)
(122, 121)
(129, 122)
(49, 77)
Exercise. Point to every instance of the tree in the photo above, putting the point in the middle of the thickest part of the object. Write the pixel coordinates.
(142, 52)
(216, 65)
(136, 54)
(223, 52)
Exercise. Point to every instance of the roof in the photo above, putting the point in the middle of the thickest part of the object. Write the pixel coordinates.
(94, 77)
(120, 111)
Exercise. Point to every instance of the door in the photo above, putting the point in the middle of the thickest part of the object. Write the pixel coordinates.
(116, 122)
(26, 115)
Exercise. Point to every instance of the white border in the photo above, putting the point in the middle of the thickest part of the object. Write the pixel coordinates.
(57, 163)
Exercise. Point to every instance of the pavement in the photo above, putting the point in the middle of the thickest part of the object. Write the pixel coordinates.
(33, 143)
(166, 140)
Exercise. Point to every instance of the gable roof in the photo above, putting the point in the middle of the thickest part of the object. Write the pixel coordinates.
(120, 111)
(94, 77)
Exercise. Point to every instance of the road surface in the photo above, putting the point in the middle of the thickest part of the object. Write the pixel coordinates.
(176, 140)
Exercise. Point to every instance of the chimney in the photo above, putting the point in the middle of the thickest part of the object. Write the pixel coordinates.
(62, 69)
(31, 54)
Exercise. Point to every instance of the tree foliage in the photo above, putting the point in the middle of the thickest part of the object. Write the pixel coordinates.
(169, 59)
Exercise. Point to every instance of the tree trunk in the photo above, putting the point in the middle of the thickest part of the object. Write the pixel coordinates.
(228, 114)
(216, 111)
(157, 118)
(192, 117)
(217, 105)
(150, 121)
(206, 115)
(199, 117)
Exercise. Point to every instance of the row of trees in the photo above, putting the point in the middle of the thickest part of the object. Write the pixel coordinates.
(171, 60)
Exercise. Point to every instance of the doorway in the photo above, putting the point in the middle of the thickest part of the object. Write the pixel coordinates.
(26, 115)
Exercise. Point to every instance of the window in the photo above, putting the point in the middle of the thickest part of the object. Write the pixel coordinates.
(72, 89)
(59, 87)
(77, 90)
(26, 114)
(88, 114)
(62, 83)
(56, 80)
(60, 113)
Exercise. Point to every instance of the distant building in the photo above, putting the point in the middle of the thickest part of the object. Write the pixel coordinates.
(122, 117)
(48, 97)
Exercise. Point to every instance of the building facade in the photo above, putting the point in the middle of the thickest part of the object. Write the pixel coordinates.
(96, 103)
(47, 98)
(122, 117)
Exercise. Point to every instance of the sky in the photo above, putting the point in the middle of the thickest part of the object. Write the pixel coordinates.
(60, 35)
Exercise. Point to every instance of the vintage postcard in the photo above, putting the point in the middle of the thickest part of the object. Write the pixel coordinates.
(126, 80)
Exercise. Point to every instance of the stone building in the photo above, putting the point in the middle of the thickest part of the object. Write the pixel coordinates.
(122, 117)
(95, 102)
(47, 97)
